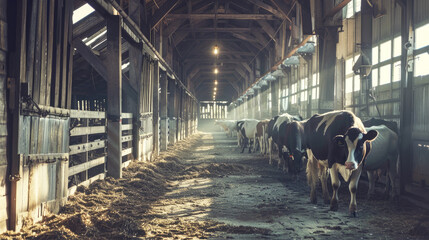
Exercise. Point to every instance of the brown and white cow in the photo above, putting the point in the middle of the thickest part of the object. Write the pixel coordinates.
(336, 141)
(261, 135)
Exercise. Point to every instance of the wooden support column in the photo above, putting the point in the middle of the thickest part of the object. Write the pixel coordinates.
(163, 111)
(155, 122)
(114, 97)
(327, 61)
(172, 111)
(275, 97)
(407, 79)
(17, 74)
(366, 48)
(136, 76)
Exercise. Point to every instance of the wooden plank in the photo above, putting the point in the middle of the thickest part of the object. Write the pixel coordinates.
(162, 12)
(51, 44)
(270, 9)
(58, 50)
(127, 151)
(125, 164)
(79, 131)
(91, 58)
(31, 47)
(86, 183)
(87, 165)
(114, 97)
(235, 16)
(127, 115)
(127, 127)
(155, 123)
(87, 114)
(38, 53)
(67, 9)
(70, 55)
(43, 61)
(86, 147)
(127, 138)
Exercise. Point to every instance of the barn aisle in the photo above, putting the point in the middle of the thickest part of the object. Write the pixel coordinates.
(205, 188)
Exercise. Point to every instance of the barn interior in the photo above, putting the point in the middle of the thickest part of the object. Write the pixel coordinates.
(90, 86)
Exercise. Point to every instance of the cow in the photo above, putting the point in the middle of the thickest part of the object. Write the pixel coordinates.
(273, 133)
(261, 135)
(247, 130)
(293, 137)
(383, 157)
(336, 141)
(377, 122)
(227, 125)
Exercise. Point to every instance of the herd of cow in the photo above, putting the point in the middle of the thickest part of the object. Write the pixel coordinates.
(332, 143)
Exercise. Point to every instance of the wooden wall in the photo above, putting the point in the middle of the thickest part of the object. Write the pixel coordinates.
(3, 118)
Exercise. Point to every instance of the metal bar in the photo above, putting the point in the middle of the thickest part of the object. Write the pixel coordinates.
(127, 138)
(126, 115)
(127, 127)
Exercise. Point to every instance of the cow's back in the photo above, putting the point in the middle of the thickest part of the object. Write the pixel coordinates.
(385, 146)
(320, 130)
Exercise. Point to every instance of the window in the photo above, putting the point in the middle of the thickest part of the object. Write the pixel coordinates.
(349, 84)
(303, 96)
(385, 51)
(422, 36)
(269, 100)
(315, 80)
(397, 71)
(349, 66)
(349, 10)
(82, 12)
(374, 55)
(304, 83)
(421, 64)
(374, 77)
(397, 46)
(314, 93)
(357, 83)
(385, 74)
(357, 5)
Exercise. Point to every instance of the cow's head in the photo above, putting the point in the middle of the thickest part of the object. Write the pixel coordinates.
(352, 148)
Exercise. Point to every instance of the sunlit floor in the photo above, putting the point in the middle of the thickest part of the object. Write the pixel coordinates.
(244, 191)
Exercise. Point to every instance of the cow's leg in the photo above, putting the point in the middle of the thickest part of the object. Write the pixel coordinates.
(270, 150)
(371, 181)
(323, 174)
(335, 186)
(354, 180)
(387, 186)
(393, 173)
(251, 144)
(312, 176)
(244, 145)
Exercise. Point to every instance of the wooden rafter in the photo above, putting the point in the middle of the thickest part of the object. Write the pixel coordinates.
(163, 11)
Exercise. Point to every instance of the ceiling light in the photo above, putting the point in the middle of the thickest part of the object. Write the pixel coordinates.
(215, 89)
(216, 50)
(216, 70)
(215, 82)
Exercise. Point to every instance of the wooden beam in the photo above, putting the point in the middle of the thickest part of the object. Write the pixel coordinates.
(91, 58)
(86, 26)
(268, 29)
(114, 97)
(162, 12)
(155, 119)
(283, 8)
(211, 30)
(337, 8)
(208, 60)
(270, 9)
(221, 16)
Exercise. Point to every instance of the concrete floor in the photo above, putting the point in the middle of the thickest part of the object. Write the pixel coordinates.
(276, 205)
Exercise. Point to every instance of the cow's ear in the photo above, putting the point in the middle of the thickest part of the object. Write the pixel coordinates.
(370, 136)
(339, 140)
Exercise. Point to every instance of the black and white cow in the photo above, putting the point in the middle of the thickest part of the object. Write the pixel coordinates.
(336, 141)
(292, 136)
(247, 130)
(273, 134)
(383, 158)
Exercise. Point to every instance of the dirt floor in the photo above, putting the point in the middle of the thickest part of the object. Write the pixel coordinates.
(205, 188)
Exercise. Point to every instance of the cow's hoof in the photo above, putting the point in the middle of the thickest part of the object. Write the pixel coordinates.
(334, 206)
(313, 200)
(353, 214)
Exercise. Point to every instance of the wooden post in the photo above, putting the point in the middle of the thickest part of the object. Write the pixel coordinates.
(114, 97)
(163, 111)
(172, 111)
(155, 110)
(17, 71)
